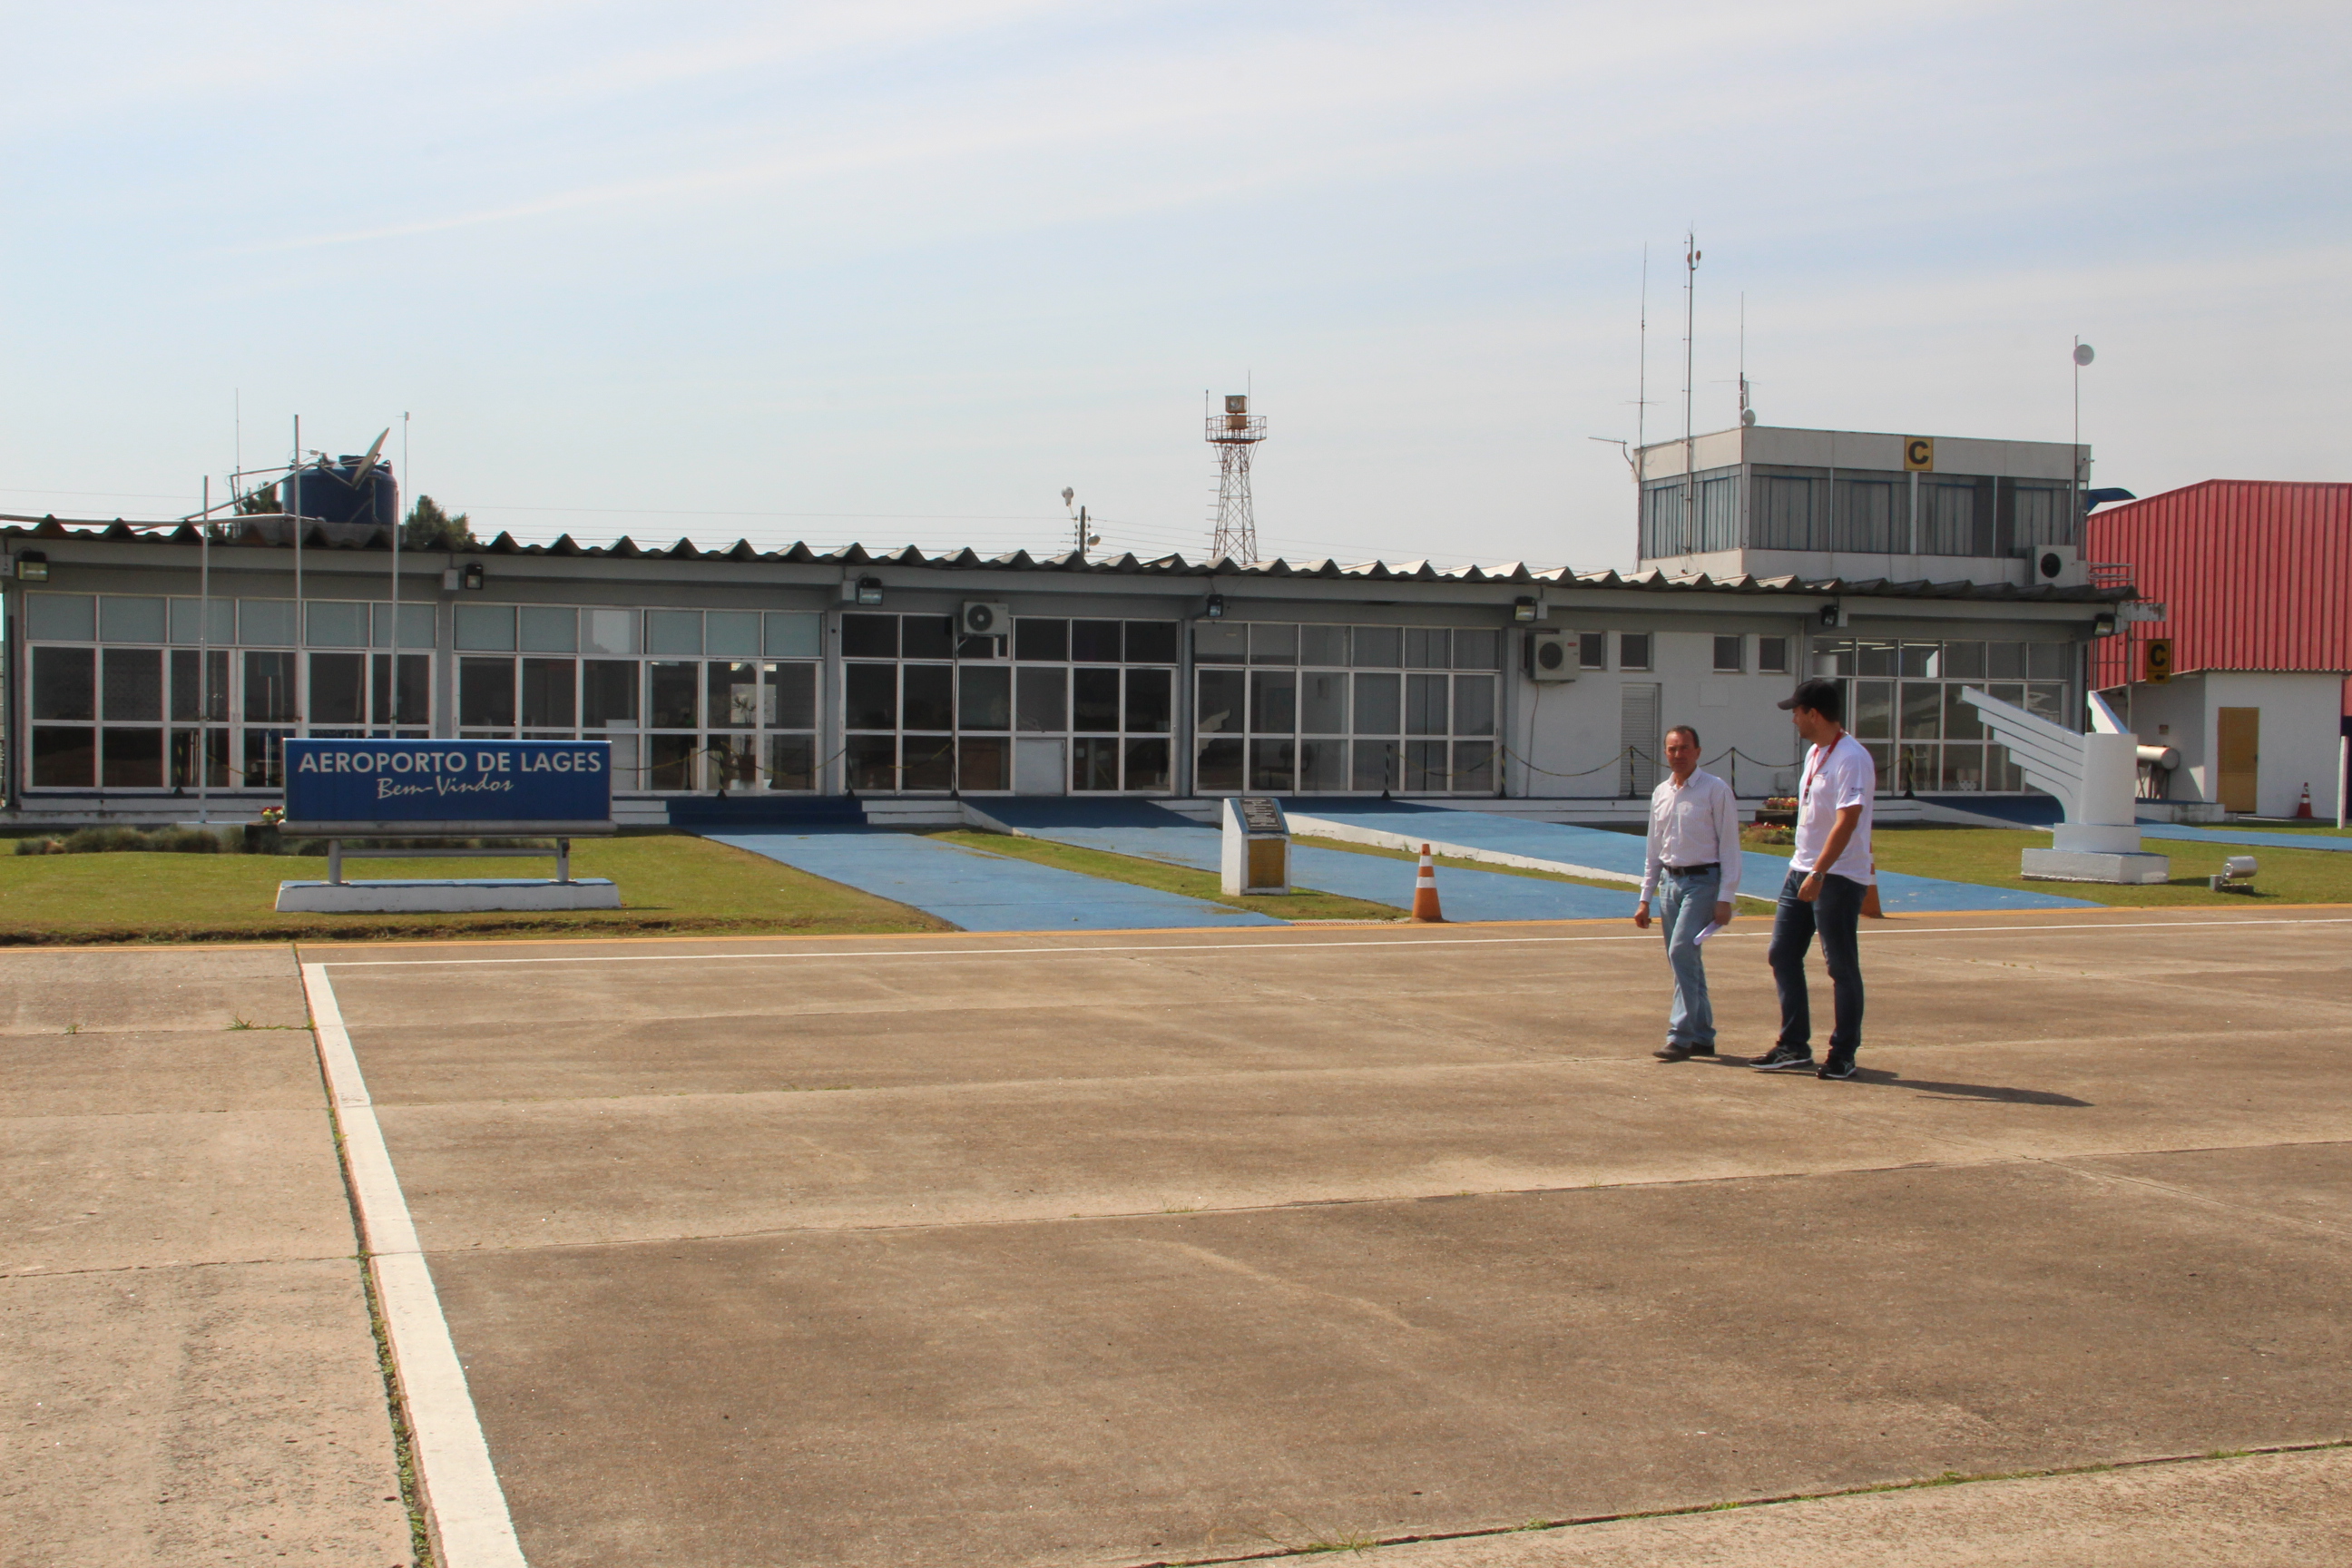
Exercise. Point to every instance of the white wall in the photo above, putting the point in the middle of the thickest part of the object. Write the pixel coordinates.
(2301, 723)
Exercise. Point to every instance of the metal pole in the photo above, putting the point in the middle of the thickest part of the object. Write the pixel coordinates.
(392, 680)
(294, 514)
(335, 861)
(563, 860)
(1690, 297)
(2343, 776)
(204, 656)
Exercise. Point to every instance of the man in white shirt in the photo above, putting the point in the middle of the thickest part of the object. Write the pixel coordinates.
(1694, 854)
(1828, 877)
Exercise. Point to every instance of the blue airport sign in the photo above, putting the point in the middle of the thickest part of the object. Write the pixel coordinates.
(425, 788)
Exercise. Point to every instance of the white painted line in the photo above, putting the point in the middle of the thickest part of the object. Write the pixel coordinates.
(468, 1507)
(1267, 946)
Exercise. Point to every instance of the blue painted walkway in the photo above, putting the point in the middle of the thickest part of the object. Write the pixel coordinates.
(2336, 843)
(980, 891)
(1598, 849)
(1140, 828)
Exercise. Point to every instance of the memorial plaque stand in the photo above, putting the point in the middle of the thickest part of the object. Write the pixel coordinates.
(1256, 857)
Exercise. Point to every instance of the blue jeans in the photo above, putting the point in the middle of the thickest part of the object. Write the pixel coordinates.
(1686, 906)
(1836, 914)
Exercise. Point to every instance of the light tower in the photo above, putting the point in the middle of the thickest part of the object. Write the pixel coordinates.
(1233, 433)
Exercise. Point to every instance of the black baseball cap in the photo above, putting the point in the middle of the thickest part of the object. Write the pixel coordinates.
(1821, 696)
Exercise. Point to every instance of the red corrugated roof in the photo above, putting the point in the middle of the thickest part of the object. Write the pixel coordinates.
(2256, 573)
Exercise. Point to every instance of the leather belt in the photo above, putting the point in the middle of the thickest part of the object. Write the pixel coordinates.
(1695, 870)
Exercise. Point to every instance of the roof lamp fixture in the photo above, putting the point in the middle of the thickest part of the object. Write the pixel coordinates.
(31, 566)
(869, 590)
(1214, 609)
(472, 576)
(2104, 624)
(1524, 608)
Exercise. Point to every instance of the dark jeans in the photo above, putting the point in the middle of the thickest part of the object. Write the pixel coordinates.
(1836, 914)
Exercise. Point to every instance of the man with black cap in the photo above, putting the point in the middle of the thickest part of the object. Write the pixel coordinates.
(1828, 877)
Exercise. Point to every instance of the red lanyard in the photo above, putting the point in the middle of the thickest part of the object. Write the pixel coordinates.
(1820, 761)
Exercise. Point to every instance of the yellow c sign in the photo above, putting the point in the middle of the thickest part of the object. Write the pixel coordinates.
(1919, 453)
(2156, 667)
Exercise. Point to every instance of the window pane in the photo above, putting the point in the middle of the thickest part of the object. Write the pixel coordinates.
(125, 619)
(62, 617)
(1378, 647)
(1428, 648)
(1915, 769)
(733, 689)
(1964, 661)
(1218, 765)
(928, 762)
(415, 689)
(486, 696)
(1150, 642)
(873, 698)
(1093, 762)
(928, 701)
(1323, 704)
(791, 635)
(926, 636)
(1375, 766)
(134, 683)
(1727, 654)
(1426, 769)
(337, 689)
(869, 637)
(1220, 709)
(133, 759)
(488, 627)
(266, 622)
(1473, 767)
(1274, 702)
(1323, 645)
(1220, 642)
(1918, 660)
(1592, 650)
(1478, 649)
(548, 628)
(1633, 650)
(1922, 709)
(2047, 700)
(1147, 763)
(328, 623)
(65, 758)
(65, 683)
(548, 700)
(669, 761)
(1474, 704)
(984, 700)
(731, 634)
(264, 759)
(1044, 705)
(1424, 705)
(1274, 766)
(793, 699)
(675, 632)
(183, 758)
(417, 628)
(606, 631)
(1379, 705)
(1873, 657)
(1323, 766)
(730, 762)
(792, 761)
(1095, 642)
(199, 680)
(1093, 699)
(1772, 655)
(672, 696)
(269, 689)
(1045, 641)
(1151, 701)
(1963, 768)
(983, 761)
(1962, 721)
(2049, 660)
(608, 692)
(873, 763)
(1273, 643)
(1873, 703)
(188, 622)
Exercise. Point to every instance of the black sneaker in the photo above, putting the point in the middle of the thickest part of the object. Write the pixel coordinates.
(1837, 1066)
(1784, 1059)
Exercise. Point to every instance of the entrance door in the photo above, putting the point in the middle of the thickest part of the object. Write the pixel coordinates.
(1638, 770)
(1038, 767)
(2238, 748)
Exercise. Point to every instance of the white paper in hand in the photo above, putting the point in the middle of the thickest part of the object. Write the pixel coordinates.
(1712, 927)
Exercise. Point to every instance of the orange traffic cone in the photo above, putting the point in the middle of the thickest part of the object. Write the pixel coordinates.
(1424, 891)
(2303, 811)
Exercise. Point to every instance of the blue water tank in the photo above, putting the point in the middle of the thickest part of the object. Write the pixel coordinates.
(326, 492)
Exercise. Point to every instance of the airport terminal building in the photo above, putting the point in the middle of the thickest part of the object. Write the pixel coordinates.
(148, 668)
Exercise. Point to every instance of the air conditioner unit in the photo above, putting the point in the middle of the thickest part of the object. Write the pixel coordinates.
(1551, 656)
(2056, 566)
(985, 620)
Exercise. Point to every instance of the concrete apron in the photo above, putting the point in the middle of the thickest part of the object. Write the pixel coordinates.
(988, 1250)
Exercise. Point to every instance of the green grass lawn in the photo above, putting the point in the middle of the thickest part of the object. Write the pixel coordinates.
(1182, 879)
(1463, 863)
(671, 883)
(1990, 855)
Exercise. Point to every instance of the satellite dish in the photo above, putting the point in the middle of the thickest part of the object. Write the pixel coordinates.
(367, 464)
(1068, 495)
(2083, 355)
(1747, 417)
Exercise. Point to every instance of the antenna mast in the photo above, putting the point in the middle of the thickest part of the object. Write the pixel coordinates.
(1235, 434)
(1690, 482)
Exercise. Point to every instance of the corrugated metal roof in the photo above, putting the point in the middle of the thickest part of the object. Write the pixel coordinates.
(1172, 566)
(2256, 574)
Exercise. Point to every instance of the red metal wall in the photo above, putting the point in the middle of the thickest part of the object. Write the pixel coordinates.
(2257, 575)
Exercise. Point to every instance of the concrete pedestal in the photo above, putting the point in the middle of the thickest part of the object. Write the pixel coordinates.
(453, 896)
(2093, 865)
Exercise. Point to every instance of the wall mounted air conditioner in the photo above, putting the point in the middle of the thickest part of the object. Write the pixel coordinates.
(2056, 566)
(985, 620)
(1551, 656)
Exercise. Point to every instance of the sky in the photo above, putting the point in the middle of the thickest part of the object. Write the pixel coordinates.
(900, 272)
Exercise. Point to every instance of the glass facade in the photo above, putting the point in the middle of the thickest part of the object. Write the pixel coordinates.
(1859, 510)
(1903, 703)
(1286, 709)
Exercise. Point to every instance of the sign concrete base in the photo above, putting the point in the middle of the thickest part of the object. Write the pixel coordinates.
(453, 896)
(2093, 865)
